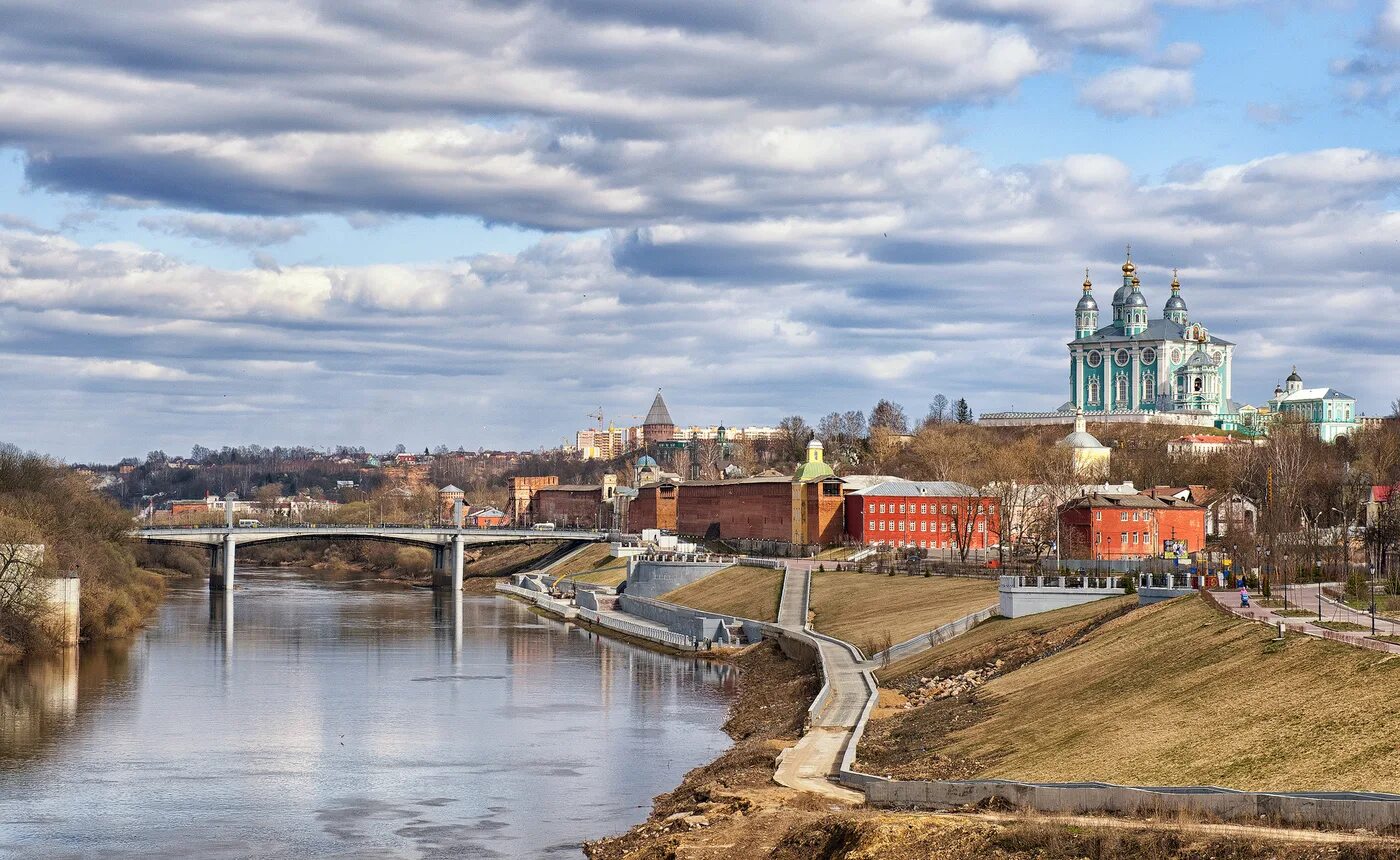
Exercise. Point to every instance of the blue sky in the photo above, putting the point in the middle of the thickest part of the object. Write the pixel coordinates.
(473, 224)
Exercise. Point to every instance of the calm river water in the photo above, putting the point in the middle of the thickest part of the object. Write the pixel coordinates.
(349, 720)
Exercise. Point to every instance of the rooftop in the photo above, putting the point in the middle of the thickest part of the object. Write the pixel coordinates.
(658, 413)
(900, 487)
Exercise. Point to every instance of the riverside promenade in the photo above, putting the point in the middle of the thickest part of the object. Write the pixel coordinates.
(1305, 597)
(815, 761)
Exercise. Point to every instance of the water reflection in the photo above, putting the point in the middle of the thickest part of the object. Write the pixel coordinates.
(345, 718)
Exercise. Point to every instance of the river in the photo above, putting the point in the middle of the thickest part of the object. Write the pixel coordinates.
(346, 719)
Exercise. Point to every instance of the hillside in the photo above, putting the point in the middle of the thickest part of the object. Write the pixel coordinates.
(873, 611)
(593, 564)
(1174, 694)
(746, 592)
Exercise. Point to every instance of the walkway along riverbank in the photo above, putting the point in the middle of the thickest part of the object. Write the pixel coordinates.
(822, 760)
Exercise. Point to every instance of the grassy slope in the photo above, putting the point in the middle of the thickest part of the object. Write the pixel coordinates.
(748, 592)
(593, 565)
(1014, 640)
(499, 560)
(1181, 694)
(866, 609)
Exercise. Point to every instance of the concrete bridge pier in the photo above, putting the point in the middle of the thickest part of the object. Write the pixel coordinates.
(448, 563)
(222, 563)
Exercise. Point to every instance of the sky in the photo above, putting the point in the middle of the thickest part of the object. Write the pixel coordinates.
(472, 224)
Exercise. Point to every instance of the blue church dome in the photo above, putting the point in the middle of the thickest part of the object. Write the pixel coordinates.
(1087, 303)
(1135, 300)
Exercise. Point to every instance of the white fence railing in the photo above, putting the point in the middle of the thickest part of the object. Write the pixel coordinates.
(642, 631)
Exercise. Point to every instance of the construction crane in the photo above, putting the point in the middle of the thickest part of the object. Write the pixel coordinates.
(597, 415)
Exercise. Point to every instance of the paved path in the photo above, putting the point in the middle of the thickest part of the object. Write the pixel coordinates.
(1305, 596)
(813, 762)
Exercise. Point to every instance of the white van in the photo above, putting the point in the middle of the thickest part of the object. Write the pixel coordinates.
(543, 527)
(249, 524)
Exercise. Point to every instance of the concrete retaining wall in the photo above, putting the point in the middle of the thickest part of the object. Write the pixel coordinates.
(680, 619)
(1029, 595)
(655, 578)
(1149, 595)
(1348, 810)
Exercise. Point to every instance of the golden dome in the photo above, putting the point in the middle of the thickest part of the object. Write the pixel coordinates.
(1087, 284)
(1129, 268)
(1136, 282)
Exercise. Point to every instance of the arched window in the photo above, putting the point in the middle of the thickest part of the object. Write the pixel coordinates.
(1094, 391)
(1149, 387)
(1197, 386)
(1120, 390)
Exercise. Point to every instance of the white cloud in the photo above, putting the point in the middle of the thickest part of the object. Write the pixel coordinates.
(228, 229)
(1387, 29)
(1139, 91)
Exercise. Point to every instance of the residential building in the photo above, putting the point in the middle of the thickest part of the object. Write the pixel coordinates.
(923, 514)
(485, 517)
(602, 444)
(1204, 444)
(1327, 412)
(1113, 527)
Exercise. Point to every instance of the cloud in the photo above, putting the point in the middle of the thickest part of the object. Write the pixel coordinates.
(1386, 32)
(1269, 115)
(556, 115)
(228, 229)
(901, 292)
(1139, 91)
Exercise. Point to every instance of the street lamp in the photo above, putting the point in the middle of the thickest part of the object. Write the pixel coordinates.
(1286, 578)
(1371, 580)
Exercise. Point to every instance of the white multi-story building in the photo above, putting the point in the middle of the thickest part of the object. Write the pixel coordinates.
(1327, 411)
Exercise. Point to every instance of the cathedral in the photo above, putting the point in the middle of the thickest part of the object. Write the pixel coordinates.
(1137, 364)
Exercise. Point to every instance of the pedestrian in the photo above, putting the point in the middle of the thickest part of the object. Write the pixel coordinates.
(1244, 597)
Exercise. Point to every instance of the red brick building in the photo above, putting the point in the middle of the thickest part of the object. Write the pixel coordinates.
(585, 506)
(520, 508)
(924, 514)
(807, 508)
(486, 517)
(1117, 526)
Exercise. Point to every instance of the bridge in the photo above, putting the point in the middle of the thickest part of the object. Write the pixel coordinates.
(446, 543)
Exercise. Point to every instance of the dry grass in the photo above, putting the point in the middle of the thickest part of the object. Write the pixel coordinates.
(870, 610)
(1181, 694)
(500, 560)
(747, 592)
(1014, 640)
(594, 565)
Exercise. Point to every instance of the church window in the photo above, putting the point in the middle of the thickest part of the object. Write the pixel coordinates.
(1149, 387)
(1120, 390)
(1094, 391)
(1149, 355)
(1095, 358)
(1176, 355)
(1121, 357)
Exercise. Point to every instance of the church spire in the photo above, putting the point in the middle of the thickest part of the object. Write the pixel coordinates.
(1086, 313)
(1175, 309)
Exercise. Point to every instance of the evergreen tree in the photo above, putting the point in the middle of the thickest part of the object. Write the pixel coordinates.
(962, 413)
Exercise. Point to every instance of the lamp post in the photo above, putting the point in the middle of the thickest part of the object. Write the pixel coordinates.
(1371, 580)
(1286, 577)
